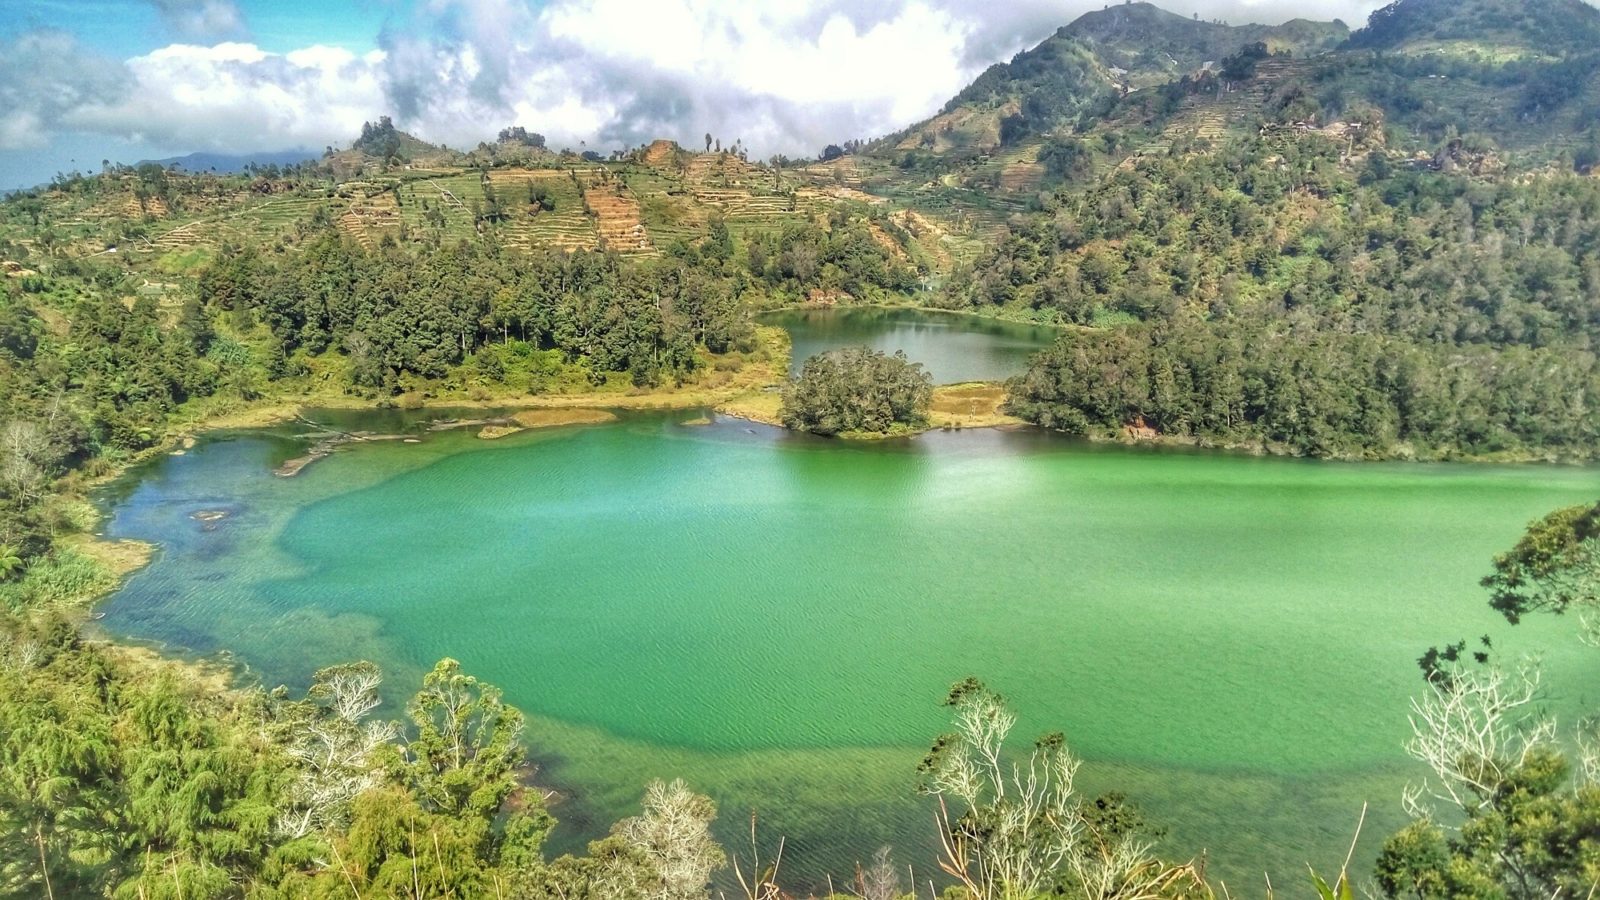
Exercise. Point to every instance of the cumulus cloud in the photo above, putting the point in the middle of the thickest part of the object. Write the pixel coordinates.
(783, 75)
(45, 77)
(238, 97)
(201, 18)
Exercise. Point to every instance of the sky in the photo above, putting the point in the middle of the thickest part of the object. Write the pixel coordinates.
(83, 81)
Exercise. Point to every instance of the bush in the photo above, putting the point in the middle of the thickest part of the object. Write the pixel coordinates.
(64, 577)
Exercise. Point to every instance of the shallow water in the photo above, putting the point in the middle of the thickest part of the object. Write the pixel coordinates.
(1230, 640)
(953, 347)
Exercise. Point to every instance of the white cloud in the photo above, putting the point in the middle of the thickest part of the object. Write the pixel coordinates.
(238, 97)
(43, 78)
(784, 75)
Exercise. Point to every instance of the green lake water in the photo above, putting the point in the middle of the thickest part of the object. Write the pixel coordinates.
(1230, 640)
(953, 347)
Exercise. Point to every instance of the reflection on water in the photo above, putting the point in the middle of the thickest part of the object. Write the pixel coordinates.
(953, 347)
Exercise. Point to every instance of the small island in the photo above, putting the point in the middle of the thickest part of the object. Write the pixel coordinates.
(858, 392)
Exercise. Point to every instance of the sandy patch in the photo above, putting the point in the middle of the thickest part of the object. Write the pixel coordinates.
(121, 558)
(759, 407)
(550, 418)
(974, 405)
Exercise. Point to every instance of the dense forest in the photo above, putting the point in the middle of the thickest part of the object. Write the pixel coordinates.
(397, 311)
(857, 390)
(1275, 292)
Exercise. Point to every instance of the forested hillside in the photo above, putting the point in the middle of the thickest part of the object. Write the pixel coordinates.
(1277, 291)
(1101, 55)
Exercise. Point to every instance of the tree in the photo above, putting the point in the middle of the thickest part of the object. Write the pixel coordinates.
(1018, 828)
(881, 880)
(1530, 822)
(380, 140)
(857, 390)
(26, 456)
(516, 134)
(673, 835)
(468, 743)
(1554, 567)
(334, 747)
(1529, 813)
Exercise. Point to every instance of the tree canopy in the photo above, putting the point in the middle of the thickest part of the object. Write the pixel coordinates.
(857, 389)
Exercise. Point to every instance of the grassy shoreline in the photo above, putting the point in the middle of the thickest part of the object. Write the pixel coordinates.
(118, 559)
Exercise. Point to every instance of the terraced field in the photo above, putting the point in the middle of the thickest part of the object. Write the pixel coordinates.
(566, 227)
(262, 217)
(617, 218)
(632, 207)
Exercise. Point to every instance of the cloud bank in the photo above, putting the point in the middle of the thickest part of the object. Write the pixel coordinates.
(784, 76)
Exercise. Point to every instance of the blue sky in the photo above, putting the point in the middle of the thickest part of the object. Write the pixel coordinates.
(124, 28)
(86, 80)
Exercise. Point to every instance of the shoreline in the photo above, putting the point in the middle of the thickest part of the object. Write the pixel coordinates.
(750, 395)
(1400, 454)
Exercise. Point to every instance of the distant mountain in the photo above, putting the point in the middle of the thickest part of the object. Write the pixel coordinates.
(1490, 28)
(227, 163)
(1156, 46)
(1100, 55)
(1514, 75)
(1523, 75)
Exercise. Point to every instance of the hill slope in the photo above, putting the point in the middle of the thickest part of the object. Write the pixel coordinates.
(1099, 56)
(1497, 27)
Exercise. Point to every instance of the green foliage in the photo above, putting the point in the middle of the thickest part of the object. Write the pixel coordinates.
(467, 743)
(1254, 382)
(1548, 26)
(421, 312)
(117, 781)
(1339, 890)
(1010, 829)
(1529, 815)
(120, 785)
(857, 389)
(1287, 301)
(63, 577)
(1553, 567)
(800, 258)
(380, 139)
(1539, 837)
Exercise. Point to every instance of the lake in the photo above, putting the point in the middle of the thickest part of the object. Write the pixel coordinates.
(1230, 640)
(953, 347)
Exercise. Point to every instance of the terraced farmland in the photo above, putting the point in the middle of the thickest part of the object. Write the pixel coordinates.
(617, 218)
(566, 227)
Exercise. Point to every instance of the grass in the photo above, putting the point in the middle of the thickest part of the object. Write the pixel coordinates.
(757, 407)
(551, 418)
(183, 262)
(974, 405)
(70, 576)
